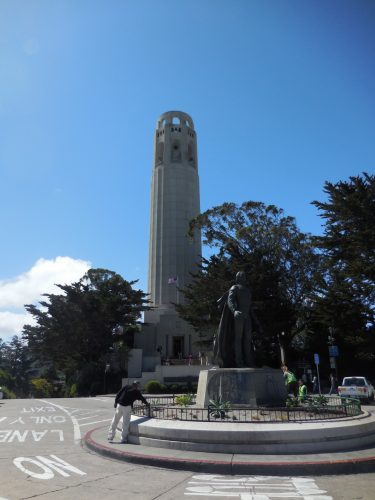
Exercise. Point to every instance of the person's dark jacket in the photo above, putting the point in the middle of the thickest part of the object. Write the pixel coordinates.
(127, 395)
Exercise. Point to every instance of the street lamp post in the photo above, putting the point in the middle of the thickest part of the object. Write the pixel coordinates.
(332, 350)
(106, 370)
(280, 338)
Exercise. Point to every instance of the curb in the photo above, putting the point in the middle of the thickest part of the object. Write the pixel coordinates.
(234, 465)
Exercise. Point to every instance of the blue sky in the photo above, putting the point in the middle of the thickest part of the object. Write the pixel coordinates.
(281, 93)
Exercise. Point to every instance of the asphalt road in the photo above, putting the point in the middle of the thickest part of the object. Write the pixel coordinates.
(41, 456)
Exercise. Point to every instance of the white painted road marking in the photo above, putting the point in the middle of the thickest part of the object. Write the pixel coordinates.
(40, 409)
(10, 435)
(255, 487)
(85, 418)
(76, 429)
(47, 466)
(79, 415)
(97, 422)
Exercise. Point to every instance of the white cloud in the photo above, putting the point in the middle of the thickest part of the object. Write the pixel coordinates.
(28, 287)
(11, 323)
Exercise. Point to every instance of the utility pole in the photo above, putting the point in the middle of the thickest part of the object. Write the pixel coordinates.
(106, 370)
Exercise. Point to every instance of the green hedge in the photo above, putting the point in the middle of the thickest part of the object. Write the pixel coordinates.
(7, 393)
(154, 387)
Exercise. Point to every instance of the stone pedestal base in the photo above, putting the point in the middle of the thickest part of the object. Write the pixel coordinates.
(242, 386)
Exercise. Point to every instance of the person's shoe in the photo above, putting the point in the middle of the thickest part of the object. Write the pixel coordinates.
(110, 438)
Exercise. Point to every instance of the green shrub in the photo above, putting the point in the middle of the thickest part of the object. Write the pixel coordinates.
(6, 379)
(174, 388)
(73, 391)
(189, 388)
(7, 393)
(41, 388)
(319, 400)
(184, 399)
(292, 402)
(154, 387)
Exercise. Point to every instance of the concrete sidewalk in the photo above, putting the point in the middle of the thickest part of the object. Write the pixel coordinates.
(349, 462)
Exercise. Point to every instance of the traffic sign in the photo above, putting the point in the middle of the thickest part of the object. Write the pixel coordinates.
(333, 351)
(316, 359)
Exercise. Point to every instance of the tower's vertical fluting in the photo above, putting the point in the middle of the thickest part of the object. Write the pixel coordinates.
(174, 202)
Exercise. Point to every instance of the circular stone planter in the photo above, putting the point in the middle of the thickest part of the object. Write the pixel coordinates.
(317, 436)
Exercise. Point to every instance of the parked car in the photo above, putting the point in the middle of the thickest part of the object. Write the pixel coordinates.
(356, 387)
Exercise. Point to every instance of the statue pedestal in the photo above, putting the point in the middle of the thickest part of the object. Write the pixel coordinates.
(242, 386)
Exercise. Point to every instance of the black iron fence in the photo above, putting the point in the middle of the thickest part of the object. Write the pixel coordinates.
(319, 408)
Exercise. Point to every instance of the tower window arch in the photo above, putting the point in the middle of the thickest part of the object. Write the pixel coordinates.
(176, 120)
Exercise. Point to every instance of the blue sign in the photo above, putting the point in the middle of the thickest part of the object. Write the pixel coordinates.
(333, 351)
(316, 359)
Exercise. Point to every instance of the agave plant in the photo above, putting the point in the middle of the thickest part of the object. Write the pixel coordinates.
(319, 400)
(292, 402)
(217, 408)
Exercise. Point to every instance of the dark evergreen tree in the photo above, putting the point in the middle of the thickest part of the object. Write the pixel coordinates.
(16, 363)
(345, 297)
(78, 327)
(278, 260)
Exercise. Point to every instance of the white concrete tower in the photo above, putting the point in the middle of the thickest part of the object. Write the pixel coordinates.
(173, 255)
(174, 202)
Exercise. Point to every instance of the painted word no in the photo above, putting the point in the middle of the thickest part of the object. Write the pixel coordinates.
(45, 467)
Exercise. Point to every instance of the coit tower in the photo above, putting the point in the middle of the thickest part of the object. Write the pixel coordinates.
(173, 254)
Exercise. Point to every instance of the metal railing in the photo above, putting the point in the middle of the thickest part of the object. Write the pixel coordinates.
(311, 409)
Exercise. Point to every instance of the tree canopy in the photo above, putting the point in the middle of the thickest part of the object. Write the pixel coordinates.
(278, 259)
(15, 366)
(345, 296)
(306, 286)
(81, 324)
(348, 242)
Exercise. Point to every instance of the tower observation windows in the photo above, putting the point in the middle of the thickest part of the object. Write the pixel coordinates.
(190, 153)
(160, 152)
(176, 151)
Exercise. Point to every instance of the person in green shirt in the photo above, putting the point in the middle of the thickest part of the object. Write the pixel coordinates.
(290, 381)
(302, 390)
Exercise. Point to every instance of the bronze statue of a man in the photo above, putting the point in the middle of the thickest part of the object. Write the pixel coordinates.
(232, 345)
